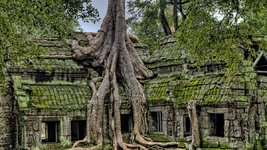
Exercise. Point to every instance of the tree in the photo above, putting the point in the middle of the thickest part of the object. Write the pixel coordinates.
(21, 22)
(163, 20)
(144, 22)
(151, 20)
(112, 50)
(223, 31)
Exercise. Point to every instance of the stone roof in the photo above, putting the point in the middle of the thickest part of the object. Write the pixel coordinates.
(178, 86)
(209, 88)
(212, 90)
(167, 54)
(50, 47)
(56, 46)
(54, 95)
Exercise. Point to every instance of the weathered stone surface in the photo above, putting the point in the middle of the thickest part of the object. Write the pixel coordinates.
(178, 81)
(7, 121)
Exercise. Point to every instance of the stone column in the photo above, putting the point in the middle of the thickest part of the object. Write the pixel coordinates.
(6, 123)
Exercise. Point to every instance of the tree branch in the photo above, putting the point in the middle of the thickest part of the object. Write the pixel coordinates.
(179, 3)
(181, 10)
(175, 15)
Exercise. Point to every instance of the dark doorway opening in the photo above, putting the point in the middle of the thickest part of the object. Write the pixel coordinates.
(78, 130)
(217, 124)
(50, 131)
(126, 123)
(156, 118)
(187, 126)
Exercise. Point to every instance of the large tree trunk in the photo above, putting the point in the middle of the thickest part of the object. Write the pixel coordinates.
(163, 20)
(112, 50)
(175, 15)
(192, 112)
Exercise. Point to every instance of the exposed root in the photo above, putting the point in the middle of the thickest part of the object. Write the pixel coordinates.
(90, 148)
(140, 139)
(136, 146)
(85, 140)
(147, 138)
(112, 49)
(192, 112)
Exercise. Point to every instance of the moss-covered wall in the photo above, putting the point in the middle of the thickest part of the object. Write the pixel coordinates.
(237, 96)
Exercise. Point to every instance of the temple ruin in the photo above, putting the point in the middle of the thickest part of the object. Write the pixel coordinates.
(47, 101)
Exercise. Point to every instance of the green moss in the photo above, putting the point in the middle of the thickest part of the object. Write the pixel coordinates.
(56, 96)
(207, 144)
(156, 90)
(181, 145)
(159, 137)
(211, 89)
(107, 147)
(224, 145)
(181, 139)
(258, 145)
(54, 147)
(126, 137)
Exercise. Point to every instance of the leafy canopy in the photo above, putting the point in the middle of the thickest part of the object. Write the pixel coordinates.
(208, 29)
(219, 30)
(144, 22)
(23, 20)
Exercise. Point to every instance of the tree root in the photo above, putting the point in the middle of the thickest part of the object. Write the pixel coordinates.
(143, 143)
(85, 140)
(111, 48)
(141, 140)
(192, 112)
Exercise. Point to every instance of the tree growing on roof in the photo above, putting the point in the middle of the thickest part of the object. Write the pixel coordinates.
(151, 20)
(112, 50)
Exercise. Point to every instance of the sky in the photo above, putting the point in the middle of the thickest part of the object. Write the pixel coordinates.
(101, 6)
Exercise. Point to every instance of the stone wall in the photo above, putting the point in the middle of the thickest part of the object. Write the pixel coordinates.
(7, 123)
(32, 125)
(167, 118)
(240, 125)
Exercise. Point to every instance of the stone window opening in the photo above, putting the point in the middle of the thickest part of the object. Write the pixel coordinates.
(50, 131)
(187, 126)
(78, 130)
(43, 77)
(216, 124)
(156, 121)
(126, 123)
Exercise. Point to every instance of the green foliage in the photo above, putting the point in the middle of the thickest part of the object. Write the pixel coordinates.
(23, 20)
(53, 147)
(145, 23)
(215, 30)
(65, 143)
(207, 144)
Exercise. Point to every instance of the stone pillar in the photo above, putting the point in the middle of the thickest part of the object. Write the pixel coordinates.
(6, 123)
(66, 128)
(32, 132)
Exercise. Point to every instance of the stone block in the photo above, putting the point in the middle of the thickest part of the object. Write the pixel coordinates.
(261, 111)
(244, 117)
(229, 116)
(240, 111)
(236, 123)
(238, 133)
